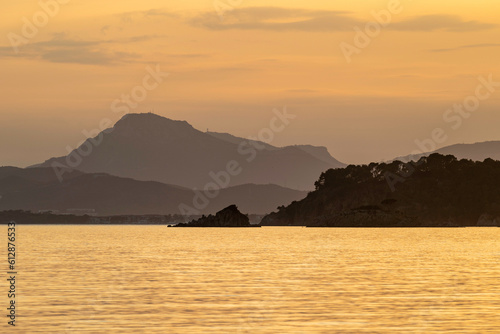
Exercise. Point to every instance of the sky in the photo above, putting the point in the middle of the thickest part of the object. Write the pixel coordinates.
(367, 79)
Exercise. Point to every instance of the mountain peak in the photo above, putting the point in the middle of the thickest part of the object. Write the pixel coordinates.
(152, 124)
(149, 119)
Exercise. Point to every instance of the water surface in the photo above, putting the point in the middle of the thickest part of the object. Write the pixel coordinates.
(153, 279)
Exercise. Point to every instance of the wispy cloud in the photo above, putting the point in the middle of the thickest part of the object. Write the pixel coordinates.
(449, 23)
(159, 12)
(130, 17)
(277, 19)
(61, 49)
(471, 46)
(284, 19)
(87, 57)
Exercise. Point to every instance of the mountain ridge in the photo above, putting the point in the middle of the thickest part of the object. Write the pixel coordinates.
(149, 147)
(38, 189)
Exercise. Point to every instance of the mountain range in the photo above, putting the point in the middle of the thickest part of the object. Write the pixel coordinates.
(149, 147)
(149, 164)
(39, 189)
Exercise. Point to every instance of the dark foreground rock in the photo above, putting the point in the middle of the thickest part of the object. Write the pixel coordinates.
(228, 217)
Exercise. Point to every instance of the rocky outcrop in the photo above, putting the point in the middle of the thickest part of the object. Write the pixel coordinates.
(228, 217)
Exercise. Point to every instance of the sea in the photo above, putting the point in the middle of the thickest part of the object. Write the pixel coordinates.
(156, 279)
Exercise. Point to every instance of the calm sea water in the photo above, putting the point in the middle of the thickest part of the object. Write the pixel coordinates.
(153, 279)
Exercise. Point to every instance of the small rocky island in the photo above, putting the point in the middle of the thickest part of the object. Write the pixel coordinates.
(228, 217)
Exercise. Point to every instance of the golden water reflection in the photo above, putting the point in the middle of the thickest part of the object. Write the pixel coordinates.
(153, 279)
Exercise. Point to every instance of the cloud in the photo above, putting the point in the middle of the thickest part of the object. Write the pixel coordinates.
(61, 49)
(471, 46)
(87, 57)
(449, 23)
(159, 12)
(283, 19)
(130, 17)
(277, 19)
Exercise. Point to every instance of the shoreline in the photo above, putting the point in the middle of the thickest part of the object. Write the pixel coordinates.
(257, 226)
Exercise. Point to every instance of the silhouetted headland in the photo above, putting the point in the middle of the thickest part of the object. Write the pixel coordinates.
(435, 191)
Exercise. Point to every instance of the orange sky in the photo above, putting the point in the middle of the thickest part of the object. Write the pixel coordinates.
(228, 72)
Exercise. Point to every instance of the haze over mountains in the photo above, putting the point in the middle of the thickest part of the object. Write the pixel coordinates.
(148, 164)
(149, 147)
(475, 152)
(38, 189)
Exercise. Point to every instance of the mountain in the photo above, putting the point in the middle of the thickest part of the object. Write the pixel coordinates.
(476, 151)
(149, 147)
(39, 189)
(437, 191)
(319, 152)
(238, 140)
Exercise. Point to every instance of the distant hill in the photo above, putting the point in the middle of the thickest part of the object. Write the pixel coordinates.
(38, 189)
(476, 151)
(439, 191)
(149, 147)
